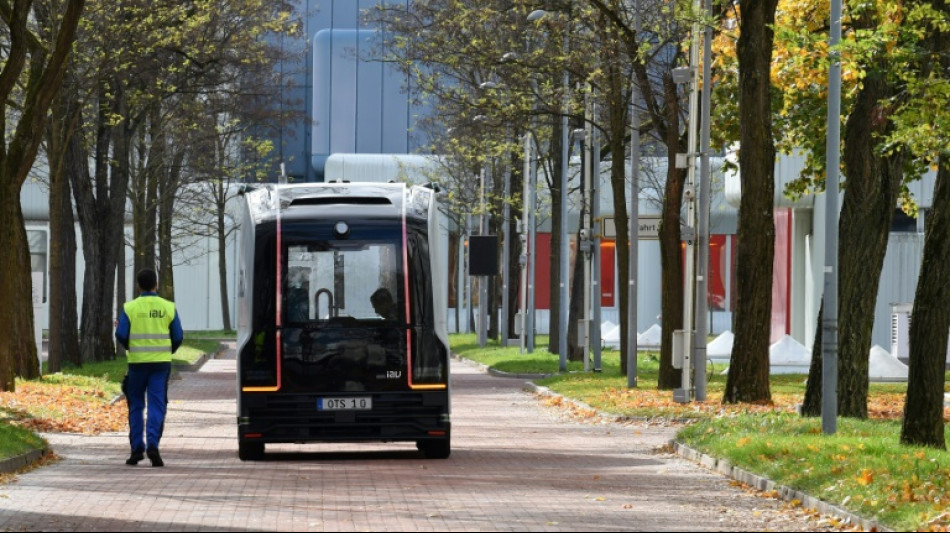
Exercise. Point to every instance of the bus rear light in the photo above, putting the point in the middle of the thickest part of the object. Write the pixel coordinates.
(436, 433)
(253, 435)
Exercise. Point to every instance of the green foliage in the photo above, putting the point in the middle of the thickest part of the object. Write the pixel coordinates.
(887, 37)
(15, 440)
(862, 467)
(112, 371)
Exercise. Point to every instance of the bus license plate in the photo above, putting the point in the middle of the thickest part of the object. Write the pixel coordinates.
(359, 403)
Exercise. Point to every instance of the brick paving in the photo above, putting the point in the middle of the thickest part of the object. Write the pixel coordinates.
(516, 465)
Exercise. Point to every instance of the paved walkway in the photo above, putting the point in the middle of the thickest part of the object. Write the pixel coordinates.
(516, 465)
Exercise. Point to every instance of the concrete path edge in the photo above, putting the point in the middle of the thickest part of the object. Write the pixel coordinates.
(12, 464)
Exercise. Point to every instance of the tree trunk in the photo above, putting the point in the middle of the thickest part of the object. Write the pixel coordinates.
(748, 379)
(811, 404)
(16, 317)
(515, 245)
(671, 241)
(873, 185)
(121, 289)
(67, 152)
(618, 118)
(102, 219)
(923, 411)
(671, 265)
(222, 238)
(618, 184)
(148, 178)
(138, 198)
(24, 133)
(166, 208)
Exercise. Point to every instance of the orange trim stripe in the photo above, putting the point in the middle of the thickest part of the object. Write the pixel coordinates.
(434, 386)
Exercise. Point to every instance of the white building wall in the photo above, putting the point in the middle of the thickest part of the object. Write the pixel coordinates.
(197, 290)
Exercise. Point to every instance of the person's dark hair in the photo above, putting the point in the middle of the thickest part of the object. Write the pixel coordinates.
(382, 295)
(147, 279)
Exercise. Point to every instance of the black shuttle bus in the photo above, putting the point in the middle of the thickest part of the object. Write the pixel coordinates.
(341, 327)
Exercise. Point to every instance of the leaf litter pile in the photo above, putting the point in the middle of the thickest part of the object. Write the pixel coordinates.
(43, 406)
(664, 409)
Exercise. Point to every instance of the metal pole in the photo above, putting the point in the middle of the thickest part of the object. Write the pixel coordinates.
(532, 243)
(460, 293)
(829, 323)
(689, 296)
(564, 252)
(596, 231)
(468, 277)
(702, 263)
(482, 280)
(525, 252)
(588, 249)
(506, 248)
(633, 222)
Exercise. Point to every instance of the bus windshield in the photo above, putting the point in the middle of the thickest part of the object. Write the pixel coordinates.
(327, 280)
(344, 316)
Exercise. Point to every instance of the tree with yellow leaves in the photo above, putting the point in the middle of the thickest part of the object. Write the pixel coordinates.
(881, 58)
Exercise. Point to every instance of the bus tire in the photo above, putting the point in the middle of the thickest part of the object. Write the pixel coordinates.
(250, 451)
(435, 449)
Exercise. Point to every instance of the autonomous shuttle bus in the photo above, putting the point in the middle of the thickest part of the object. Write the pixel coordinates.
(341, 328)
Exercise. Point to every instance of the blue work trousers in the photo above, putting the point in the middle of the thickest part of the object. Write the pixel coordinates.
(147, 382)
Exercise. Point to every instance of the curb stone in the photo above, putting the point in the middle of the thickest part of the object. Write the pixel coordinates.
(12, 464)
(194, 367)
(722, 466)
(767, 485)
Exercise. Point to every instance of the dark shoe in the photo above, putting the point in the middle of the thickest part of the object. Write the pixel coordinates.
(154, 457)
(135, 458)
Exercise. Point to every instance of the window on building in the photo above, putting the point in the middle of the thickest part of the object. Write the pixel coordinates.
(904, 223)
(38, 255)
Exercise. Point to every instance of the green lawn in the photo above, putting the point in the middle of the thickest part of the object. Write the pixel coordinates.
(189, 353)
(16, 441)
(863, 467)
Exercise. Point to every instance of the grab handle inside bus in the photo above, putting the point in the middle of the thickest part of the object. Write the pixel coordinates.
(331, 312)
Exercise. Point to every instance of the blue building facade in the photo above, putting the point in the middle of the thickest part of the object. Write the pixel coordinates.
(349, 101)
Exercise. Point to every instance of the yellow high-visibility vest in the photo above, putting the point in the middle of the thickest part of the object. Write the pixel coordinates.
(149, 339)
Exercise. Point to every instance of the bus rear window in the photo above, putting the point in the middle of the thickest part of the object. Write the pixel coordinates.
(358, 280)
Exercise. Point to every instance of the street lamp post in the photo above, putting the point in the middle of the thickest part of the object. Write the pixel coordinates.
(596, 232)
(531, 202)
(688, 75)
(531, 241)
(525, 250)
(584, 244)
(483, 280)
(564, 249)
(702, 266)
(506, 234)
(829, 323)
(633, 222)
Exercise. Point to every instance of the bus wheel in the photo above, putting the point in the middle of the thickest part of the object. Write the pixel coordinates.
(250, 451)
(435, 449)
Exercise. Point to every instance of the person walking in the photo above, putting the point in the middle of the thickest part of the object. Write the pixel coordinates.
(150, 330)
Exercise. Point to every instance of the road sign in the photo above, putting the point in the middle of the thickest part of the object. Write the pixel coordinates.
(649, 227)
